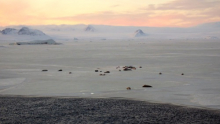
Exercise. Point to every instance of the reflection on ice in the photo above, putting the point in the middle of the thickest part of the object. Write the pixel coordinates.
(10, 82)
(206, 99)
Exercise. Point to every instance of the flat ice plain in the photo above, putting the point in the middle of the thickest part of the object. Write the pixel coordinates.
(21, 70)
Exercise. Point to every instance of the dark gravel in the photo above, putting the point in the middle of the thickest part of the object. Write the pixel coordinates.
(50, 110)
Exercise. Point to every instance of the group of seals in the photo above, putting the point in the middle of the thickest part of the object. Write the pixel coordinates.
(161, 73)
(144, 86)
(101, 71)
(44, 70)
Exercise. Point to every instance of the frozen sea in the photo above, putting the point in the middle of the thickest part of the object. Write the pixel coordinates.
(21, 70)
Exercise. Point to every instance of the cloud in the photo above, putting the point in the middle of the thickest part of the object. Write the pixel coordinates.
(15, 12)
(176, 13)
(19, 12)
(187, 12)
(108, 18)
(12, 10)
(188, 5)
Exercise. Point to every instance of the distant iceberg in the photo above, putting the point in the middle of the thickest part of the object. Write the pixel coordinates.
(139, 33)
(37, 42)
(89, 28)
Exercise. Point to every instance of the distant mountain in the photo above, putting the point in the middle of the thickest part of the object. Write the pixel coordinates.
(8, 31)
(27, 31)
(67, 32)
(89, 28)
(139, 33)
(209, 25)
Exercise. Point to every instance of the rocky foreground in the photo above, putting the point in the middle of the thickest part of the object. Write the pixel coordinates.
(89, 110)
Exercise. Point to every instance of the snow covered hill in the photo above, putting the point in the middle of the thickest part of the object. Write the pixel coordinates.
(22, 34)
(22, 31)
(27, 31)
(9, 31)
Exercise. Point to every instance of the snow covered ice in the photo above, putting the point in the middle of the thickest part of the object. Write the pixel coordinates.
(21, 70)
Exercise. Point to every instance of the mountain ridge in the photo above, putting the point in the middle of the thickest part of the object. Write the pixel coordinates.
(68, 32)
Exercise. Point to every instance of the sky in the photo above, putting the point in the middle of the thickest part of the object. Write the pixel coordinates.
(153, 13)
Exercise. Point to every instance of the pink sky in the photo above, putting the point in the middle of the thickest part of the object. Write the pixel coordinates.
(157, 13)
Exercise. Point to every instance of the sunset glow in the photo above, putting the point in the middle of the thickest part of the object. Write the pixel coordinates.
(157, 13)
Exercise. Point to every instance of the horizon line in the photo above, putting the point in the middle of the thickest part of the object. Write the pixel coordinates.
(109, 25)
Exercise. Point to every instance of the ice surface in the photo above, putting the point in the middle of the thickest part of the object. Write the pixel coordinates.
(21, 70)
